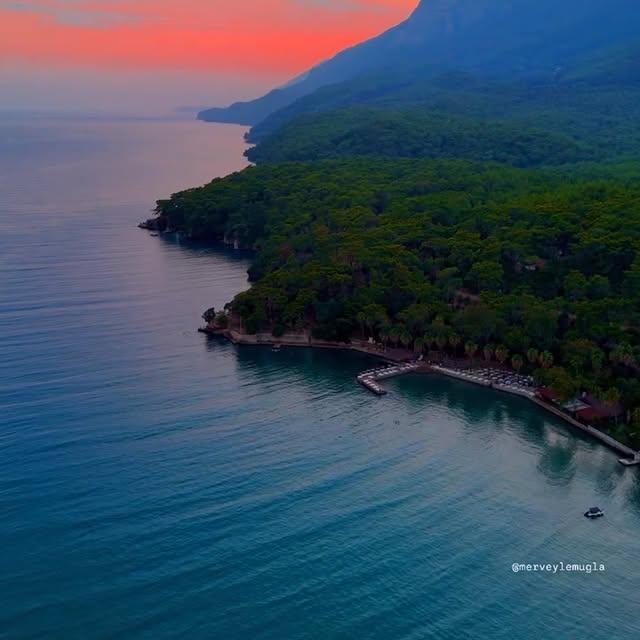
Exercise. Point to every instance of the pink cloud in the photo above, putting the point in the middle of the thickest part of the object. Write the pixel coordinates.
(254, 36)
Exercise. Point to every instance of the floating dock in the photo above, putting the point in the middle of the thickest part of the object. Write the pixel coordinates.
(369, 379)
(630, 462)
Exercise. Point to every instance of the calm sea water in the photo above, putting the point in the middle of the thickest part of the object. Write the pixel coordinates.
(158, 484)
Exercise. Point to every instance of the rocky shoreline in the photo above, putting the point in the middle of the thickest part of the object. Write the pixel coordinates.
(304, 340)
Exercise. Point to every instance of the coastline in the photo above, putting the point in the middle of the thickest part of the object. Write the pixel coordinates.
(396, 356)
(303, 340)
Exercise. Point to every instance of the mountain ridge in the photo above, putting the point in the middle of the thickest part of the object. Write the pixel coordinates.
(515, 38)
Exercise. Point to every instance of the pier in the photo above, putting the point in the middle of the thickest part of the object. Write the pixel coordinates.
(524, 386)
(630, 462)
(496, 378)
(369, 379)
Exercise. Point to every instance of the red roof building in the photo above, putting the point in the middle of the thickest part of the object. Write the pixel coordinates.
(590, 414)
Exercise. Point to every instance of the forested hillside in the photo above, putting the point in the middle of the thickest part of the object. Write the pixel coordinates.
(442, 253)
(481, 198)
(601, 91)
(592, 115)
(418, 134)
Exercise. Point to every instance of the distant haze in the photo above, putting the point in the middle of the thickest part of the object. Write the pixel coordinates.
(139, 91)
(152, 57)
(489, 37)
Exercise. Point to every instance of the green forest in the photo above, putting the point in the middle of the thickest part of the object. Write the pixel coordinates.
(367, 132)
(546, 263)
(595, 110)
(477, 218)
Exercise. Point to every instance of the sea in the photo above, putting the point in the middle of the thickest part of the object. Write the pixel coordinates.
(156, 483)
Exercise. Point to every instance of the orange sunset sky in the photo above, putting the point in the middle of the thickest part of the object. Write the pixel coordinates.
(237, 47)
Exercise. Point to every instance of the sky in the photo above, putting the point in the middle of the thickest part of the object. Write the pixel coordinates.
(152, 56)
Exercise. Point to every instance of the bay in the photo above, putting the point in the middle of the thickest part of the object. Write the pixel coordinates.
(156, 483)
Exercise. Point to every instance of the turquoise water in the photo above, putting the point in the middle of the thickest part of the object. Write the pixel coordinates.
(159, 484)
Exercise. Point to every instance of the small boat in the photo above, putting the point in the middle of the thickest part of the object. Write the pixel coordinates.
(153, 235)
(594, 512)
(276, 347)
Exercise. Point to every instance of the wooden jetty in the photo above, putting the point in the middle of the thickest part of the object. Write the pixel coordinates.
(369, 379)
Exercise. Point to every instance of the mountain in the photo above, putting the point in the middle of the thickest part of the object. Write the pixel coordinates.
(513, 38)
(597, 100)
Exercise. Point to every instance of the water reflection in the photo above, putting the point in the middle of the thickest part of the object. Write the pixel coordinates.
(632, 493)
(557, 462)
(174, 241)
(483, 415)
(335, 370)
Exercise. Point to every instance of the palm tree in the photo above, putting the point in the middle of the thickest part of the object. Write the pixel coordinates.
(502, 353)
(532, 355)
(454, 341)
(516, 362)
(612, 398)
(441, 341)
(361, 317)
(622, 354)
(394, 334)
(418, 345)
(405, 338)
(375, 324)
(597, 360)
(487, 352)
(384, 334)
(429, 340)
(546, 359)
(471, 348)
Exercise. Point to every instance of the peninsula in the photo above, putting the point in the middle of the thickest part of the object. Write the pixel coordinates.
(455, 211)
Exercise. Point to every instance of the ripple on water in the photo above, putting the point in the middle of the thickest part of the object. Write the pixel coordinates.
(157, 483)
